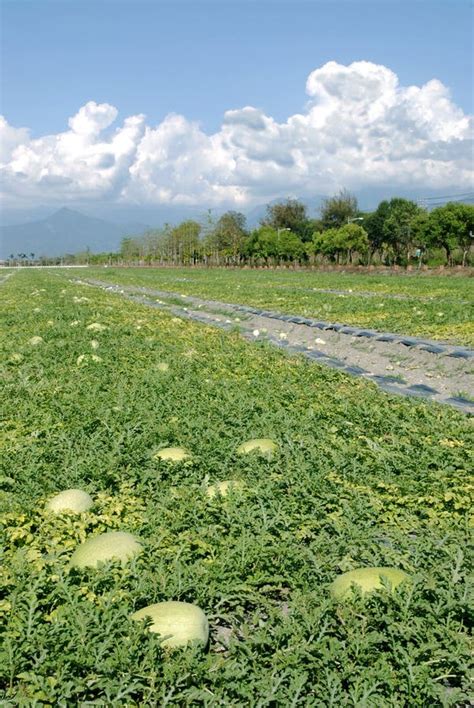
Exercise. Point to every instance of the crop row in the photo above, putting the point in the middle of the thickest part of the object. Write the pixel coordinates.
(433, 307)
(358, 479)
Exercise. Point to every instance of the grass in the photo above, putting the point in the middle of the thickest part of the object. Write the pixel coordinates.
(466, 395)
(437, 307)
(361, 478)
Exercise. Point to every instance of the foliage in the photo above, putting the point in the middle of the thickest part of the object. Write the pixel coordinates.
(397, 227)
(325, 242)
(229, 234)
(337, 210)
(344, 241)
(353, 238)
(184, 241)
(374, 225)
(398, 232)
(452, 226)
(359, 478)
(179, 244)
(267, 243)
(290, 214)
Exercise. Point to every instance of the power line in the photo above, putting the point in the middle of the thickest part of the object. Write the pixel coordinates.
(422, 201)
(453, 201)
(446, 196)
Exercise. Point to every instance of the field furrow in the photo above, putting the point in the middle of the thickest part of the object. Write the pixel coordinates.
(434, 307)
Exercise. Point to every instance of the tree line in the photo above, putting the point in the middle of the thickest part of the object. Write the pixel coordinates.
(399, 232)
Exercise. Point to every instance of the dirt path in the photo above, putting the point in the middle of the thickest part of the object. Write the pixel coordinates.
(407, 366)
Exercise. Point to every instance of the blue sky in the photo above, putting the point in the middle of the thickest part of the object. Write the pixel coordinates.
(200, 59)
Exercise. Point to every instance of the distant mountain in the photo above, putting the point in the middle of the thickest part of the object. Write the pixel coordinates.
(36, 230)
(65, 231)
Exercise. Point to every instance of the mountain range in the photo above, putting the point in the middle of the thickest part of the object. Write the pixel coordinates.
(71, 231)
(103, 225)
(64, 231)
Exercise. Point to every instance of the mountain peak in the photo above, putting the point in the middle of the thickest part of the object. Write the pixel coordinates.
(66, 212)
(65, 231)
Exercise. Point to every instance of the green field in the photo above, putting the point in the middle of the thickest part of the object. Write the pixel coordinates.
(360, 478)
(436, 307)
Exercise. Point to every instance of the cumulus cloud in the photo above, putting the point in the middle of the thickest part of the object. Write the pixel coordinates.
(92, 118)
(79, 163)
(359, 128)
(10, 139)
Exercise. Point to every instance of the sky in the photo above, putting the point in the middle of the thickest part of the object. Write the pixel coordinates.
(235, 103)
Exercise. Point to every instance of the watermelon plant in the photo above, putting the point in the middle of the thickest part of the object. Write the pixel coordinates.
(225, 487)
(75, 500)
(430, 306)
(366, 580)
(113, 545)
(178, 623)
(360, 479)
(172, 454)
(262, 446)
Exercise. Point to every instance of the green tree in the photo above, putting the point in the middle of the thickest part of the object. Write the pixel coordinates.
(261, 243)
(337, 243)
(420, 232)
(229, 234)
(337, 210)
(289, 246)
(451, 226)
(209, 237)
(352, 238)
(374, 225)
(398, 231)
(184, 240)
(129, 248)
(326, 243)
(290, 214)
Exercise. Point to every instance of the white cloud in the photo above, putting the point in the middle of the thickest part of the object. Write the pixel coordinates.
(79, 163)
(92, 118)
(359, 128)
(10, 139)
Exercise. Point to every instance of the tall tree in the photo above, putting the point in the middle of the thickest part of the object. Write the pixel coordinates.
(289, 246)
(290, 214)
(261, 243)
(398, 227)
(274, 244)
(374, 225)
(327, 243)
(352, 238)
(337, 243)
(338, 210)
(229, 234)
(129, 248)
(452, 226)
(185, 241)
